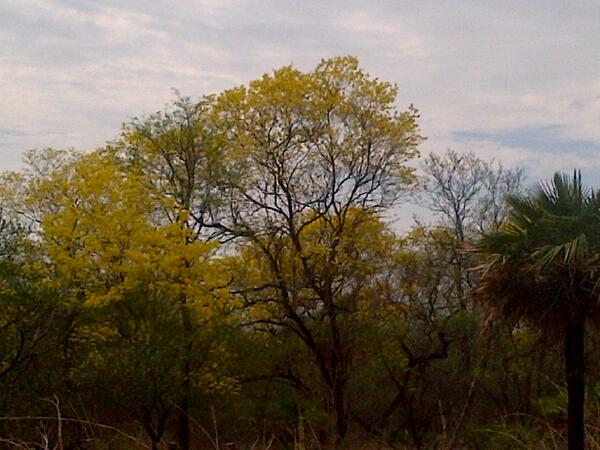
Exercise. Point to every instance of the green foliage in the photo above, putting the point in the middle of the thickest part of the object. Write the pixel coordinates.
(224, 272)
(546, 253)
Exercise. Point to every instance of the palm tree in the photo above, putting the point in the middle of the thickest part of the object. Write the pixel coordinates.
(543, 266)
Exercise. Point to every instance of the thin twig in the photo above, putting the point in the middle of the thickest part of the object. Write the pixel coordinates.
(87, 422)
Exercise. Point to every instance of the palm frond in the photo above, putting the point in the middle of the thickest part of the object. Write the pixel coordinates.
(544, 262)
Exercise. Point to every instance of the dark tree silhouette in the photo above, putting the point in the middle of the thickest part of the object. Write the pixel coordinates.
(543, 266)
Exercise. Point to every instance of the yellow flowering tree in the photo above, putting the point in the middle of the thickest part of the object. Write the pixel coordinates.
(307, 151)
(174, 153)
(108, 248)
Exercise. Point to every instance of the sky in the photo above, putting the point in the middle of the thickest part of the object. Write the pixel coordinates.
(518, 81)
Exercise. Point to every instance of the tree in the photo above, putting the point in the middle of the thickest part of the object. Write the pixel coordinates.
(467, 193)
(174, 153)
(123, 269)
(542, 266)
(284, 302)
(312, 158)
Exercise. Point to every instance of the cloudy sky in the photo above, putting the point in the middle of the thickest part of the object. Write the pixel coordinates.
(518, 81)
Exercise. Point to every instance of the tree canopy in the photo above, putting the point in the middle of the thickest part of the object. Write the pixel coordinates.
(228, 273)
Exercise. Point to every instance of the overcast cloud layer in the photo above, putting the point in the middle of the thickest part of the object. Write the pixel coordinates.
(518, 81)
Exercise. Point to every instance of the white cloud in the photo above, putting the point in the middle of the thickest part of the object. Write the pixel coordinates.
(71, 72)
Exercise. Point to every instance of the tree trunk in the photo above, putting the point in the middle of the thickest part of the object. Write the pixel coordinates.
(574, 366)
(341, 419)
(183, 419)
(183, 424)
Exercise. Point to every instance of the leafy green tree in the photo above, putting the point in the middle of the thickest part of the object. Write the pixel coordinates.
(542, 266)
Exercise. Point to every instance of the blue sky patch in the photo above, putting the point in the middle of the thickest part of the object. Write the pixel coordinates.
(548, 138)
(11, 132)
